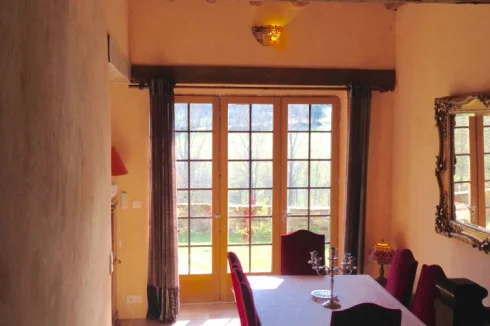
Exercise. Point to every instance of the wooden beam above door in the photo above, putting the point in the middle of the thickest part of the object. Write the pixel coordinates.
(380, 80)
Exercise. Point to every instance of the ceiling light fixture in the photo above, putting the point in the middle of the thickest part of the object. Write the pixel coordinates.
(267, 35)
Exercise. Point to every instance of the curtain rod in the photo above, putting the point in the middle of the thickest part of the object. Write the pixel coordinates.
(245, 87)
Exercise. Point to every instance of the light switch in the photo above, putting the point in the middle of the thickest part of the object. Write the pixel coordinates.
(136, 203)
(124, 200)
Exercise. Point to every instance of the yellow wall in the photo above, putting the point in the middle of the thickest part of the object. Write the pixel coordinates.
(118, 24)
(440, 50)
(319, 35)
(55, 164)
(130, 135)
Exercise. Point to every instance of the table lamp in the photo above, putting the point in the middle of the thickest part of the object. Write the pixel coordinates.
(382, 253)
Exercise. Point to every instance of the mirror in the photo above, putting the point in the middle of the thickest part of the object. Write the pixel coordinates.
(463, 168)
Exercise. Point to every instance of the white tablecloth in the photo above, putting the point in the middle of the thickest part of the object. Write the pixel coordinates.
(286, 300)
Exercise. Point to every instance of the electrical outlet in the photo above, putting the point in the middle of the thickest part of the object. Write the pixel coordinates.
(131, 299)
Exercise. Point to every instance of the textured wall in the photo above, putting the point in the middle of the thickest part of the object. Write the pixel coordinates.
(440, 51)
(54, 164)
(130, 135)
(319, 35)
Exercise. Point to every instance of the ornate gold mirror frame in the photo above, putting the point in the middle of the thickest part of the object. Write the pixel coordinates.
(446, 224)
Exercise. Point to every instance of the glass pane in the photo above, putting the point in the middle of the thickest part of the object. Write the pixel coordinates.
(462, 120)
(486, 120)
(238, 204)
(487, 194)
(297, 145)
(238, 174)
(320, 202)
(238, 117)
(182, 174)
(261, 230)
(321, 225)
(181, 146)
(462, 141)
(238, 231)
(261, 174)
(201, 116)
(321, 117)
(262, 117)
(201, 260)
(243, 253)
(238, 146)
(486, 139)
(180, 116)
(297, 223)
(262, 202)
(262, 146)
(320, 145)
(297, 173)
(201, 230)
(462, 194)
(487, 166)
(298, 117)
(201, 174)
(201, 145)
(298, 201)
(261, 259)
(201, 203)
(183, 260)
(488, 218)
(182, 203)
(462, 168)
(320, 174)
(183, 231)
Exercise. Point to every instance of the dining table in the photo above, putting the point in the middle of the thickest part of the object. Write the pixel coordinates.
(287, 300)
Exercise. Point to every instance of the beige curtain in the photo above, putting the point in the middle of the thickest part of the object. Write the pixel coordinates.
(163, 278)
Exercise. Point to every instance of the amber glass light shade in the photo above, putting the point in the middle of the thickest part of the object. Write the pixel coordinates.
(267, 35)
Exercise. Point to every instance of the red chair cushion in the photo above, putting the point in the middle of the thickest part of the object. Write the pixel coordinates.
(423, 304)
(295, 251)
(402, 275)
(252, 318)
(235, 264)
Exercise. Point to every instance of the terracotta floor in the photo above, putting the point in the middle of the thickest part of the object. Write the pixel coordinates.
(219, 314)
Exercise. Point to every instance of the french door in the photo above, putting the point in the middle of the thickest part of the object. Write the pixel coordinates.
(248, 170)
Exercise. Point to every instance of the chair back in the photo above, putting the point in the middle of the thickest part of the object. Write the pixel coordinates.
(234, 261)
(402, 275)
(250, 311)
(423, 304)
(367, 314)
(295, 251)
(235, 264)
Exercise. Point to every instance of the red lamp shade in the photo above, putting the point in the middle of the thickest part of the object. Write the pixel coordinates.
(382, 253)
(117, 164)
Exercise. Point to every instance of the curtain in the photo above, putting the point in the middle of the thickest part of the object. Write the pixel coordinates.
(357, 166)
(163, 278)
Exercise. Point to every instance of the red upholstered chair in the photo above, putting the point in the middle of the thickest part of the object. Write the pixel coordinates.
(367, 314)
(233, 260)
(402, 275)
(247, 300)
(235, 264)
(295, 251)
(423, 304)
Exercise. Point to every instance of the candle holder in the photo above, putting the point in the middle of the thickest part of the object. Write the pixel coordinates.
(348, 267)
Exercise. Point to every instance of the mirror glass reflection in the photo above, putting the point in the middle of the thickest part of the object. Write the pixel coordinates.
(471, 177)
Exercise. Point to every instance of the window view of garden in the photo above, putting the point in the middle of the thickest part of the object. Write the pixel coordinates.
(250, 180)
